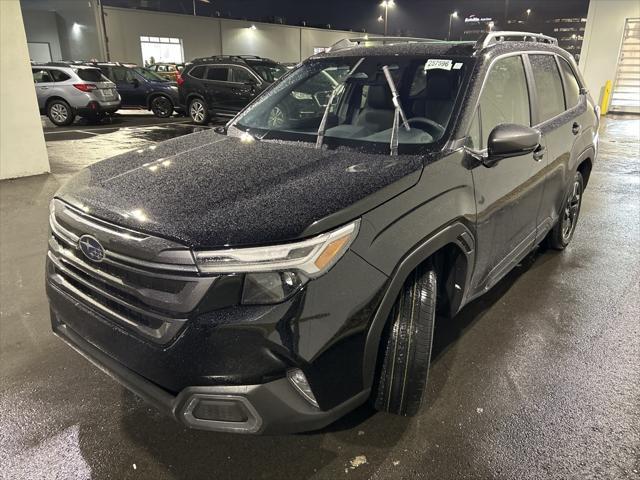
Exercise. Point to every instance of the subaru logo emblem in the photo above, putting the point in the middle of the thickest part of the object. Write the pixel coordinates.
(91, 248)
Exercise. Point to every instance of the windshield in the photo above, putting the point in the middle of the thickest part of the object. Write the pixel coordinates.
(362, 110)
(149, 75)
(269, 72)
(90, 75)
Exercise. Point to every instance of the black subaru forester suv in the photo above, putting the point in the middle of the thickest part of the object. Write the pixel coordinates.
(270, 279)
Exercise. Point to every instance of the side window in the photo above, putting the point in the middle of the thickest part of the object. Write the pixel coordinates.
(121, 75)
(548, 86)
(240, 75)
(504, 99)
(219, 74)
(572, 87)
(59, 76)
(198, 72)
(41, 76)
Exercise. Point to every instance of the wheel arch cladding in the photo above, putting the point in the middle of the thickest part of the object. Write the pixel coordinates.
(452, 250)
(584, 168)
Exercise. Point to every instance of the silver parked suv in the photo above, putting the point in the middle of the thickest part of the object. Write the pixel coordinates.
(67, 90)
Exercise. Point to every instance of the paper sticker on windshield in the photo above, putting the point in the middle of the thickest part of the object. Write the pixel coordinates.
(434, 63)
(457, 66)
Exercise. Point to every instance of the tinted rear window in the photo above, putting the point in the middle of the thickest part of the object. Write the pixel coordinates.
(197, 72)
(220, 74)
(548, 86)
(90, 74)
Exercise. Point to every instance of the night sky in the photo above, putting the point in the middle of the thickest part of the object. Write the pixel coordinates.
(424, 18)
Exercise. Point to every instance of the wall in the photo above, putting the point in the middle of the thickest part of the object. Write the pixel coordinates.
(42, 26)
(77, 23)
(22, 147)
(204, 36)
(602, 39)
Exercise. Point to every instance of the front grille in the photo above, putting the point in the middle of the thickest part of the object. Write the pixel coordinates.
(153, 298)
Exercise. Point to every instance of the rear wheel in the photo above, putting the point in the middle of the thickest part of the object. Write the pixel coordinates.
(407, 352)
(162, 106)
(60, 113)
(198, 111)
(562, 233)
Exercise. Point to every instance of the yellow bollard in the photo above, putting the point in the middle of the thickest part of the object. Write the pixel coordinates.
(606, 98)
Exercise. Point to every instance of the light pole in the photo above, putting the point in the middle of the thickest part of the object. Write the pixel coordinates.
(451, 17)
(387, 4)
(491, 25)
(528, 15)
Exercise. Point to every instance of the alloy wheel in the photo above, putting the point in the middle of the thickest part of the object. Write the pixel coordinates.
(197, 111)
(571, 211)
(162, 107)
(276, 117)
(59, 113)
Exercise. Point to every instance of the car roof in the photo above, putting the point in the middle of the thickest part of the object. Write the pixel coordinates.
(62, 65)
(239, 59)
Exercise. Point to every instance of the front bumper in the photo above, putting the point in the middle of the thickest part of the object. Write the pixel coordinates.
(269, 408)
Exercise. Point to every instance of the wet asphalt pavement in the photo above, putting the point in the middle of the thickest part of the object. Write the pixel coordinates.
(538, 379)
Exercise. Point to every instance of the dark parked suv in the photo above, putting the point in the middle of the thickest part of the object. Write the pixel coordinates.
(271, 279)
(224, 85)
(142, 88)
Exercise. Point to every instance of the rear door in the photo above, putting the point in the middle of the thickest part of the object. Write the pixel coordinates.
(219, 95)
(508, 194)
(566, 127)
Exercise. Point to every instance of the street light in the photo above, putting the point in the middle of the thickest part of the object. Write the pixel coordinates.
(451, 17)
(528, 14)
(387, 4)
(491, 25)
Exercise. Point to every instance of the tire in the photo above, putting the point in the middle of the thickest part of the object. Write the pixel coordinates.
(60, 113)
(161, 106)
(562, 233)
(198, 111)
(407, 353)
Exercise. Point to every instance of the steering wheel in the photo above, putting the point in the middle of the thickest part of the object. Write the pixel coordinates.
(432, 128)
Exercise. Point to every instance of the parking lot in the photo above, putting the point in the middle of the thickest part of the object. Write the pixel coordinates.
(538, 379)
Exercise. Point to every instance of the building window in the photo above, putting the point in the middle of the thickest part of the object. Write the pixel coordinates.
(161, 50)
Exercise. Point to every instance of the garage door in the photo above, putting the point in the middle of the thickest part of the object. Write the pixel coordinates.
(626, 88)
(39, 52)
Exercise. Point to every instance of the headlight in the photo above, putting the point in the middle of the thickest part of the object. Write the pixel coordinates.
(313, 257)
(302, 96)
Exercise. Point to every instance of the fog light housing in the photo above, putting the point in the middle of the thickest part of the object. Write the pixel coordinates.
(300, 382)
(220, 411)
(270, 287)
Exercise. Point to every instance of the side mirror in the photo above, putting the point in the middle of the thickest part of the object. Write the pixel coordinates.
(511, 140)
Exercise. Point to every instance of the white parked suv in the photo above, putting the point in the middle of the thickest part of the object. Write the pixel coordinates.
(66, 90)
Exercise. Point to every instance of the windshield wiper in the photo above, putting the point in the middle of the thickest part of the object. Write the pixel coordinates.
(398, 113)
(325, 116)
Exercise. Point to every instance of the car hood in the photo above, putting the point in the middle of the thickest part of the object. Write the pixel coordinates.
(210, 190)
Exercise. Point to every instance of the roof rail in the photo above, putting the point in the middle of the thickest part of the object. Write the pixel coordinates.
(358, 41)
(491, 38)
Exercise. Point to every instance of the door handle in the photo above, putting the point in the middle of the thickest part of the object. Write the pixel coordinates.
(538, 153)
(576, 128)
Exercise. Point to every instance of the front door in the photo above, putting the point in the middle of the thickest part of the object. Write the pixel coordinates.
(244, 88)
(509, 193)
(130, 86)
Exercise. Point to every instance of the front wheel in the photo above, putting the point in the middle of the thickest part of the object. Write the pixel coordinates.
(407, 352)
(198, 111)
(162, 106)
(562, 233)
